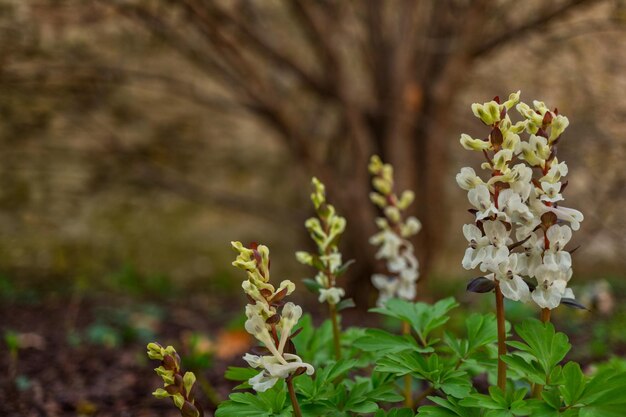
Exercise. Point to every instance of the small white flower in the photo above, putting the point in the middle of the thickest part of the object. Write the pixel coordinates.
(390, 244)
(512, 285)
(411, 227)
(473, 254)
(480, 198)
(496, 232)
(551, 192)
(548, 293)
(284, 370)
(494, 256)
(555, 173)
(558, 236)
(386, 286)
(331, 295)
(467, 178)
(262, 381)
(572, 216)
(511, 204)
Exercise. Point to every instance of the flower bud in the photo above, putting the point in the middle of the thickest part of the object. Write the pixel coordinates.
(188, 380)
(406, 199)
(393, 214)
(382, 185)
(474, 144)
(304, 258)
(376, 165)
(378, 199)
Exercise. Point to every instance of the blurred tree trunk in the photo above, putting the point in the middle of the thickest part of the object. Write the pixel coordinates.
(365, 77)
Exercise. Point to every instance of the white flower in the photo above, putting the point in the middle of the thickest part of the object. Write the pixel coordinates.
(548, 293)
(386, 286)
(262, 381)
(480, 198)
(531, 258)
(494, 257)
(411, 227)
(331, 295)
(289, 317)
(551, 192)
(274, 369)
(332, 261)
(558, 236)
(260, 308)
(284, 370)
(253, 360)
(390, 244)
(467, 178)
(512, 285)
(511, 204)
(552, 278)
(496, 232)
(256, 326)
(555, 173)
(473, 254)
(501, 160)
(535, 151)
(572, 216)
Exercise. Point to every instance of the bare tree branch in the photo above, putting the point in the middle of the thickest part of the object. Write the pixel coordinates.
(532, 24)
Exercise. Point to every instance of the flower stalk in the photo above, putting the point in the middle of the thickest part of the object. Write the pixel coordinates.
(519, 230)
(395, 230)
(270, 320)
(408, 379)
(500, 320)
(325, 230)
(297, 412)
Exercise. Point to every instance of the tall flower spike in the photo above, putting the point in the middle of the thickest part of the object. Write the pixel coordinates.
(392, 239)
(269, 320)
(519, 230)
(521, 206)
(326, 230)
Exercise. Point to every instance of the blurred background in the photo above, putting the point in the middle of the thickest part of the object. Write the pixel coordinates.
(139, 137)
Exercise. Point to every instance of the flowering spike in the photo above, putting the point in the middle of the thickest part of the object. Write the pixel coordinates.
(264, 320)
(395, 230)
(515, 208)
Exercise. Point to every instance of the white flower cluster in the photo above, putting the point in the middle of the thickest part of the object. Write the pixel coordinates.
(265, 323)
(392, 238)
(325, 230)
(515, 209)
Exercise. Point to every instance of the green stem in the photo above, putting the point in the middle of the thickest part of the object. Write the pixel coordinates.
(545, 318)
(294, 400)
(501, 337)
(332, 309)
(408, 380)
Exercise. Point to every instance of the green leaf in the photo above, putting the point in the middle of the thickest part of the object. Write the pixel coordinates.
(441, 374)
(397, 412)
(383, 342)
(481, 330)
(343, 268)
(605, 389)
(424, 318)
(543, 342)
(524, 368)
(312, 285)
(574, 383)
(270, 403)
(449, 407)
(346, 303)
(235, 373)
